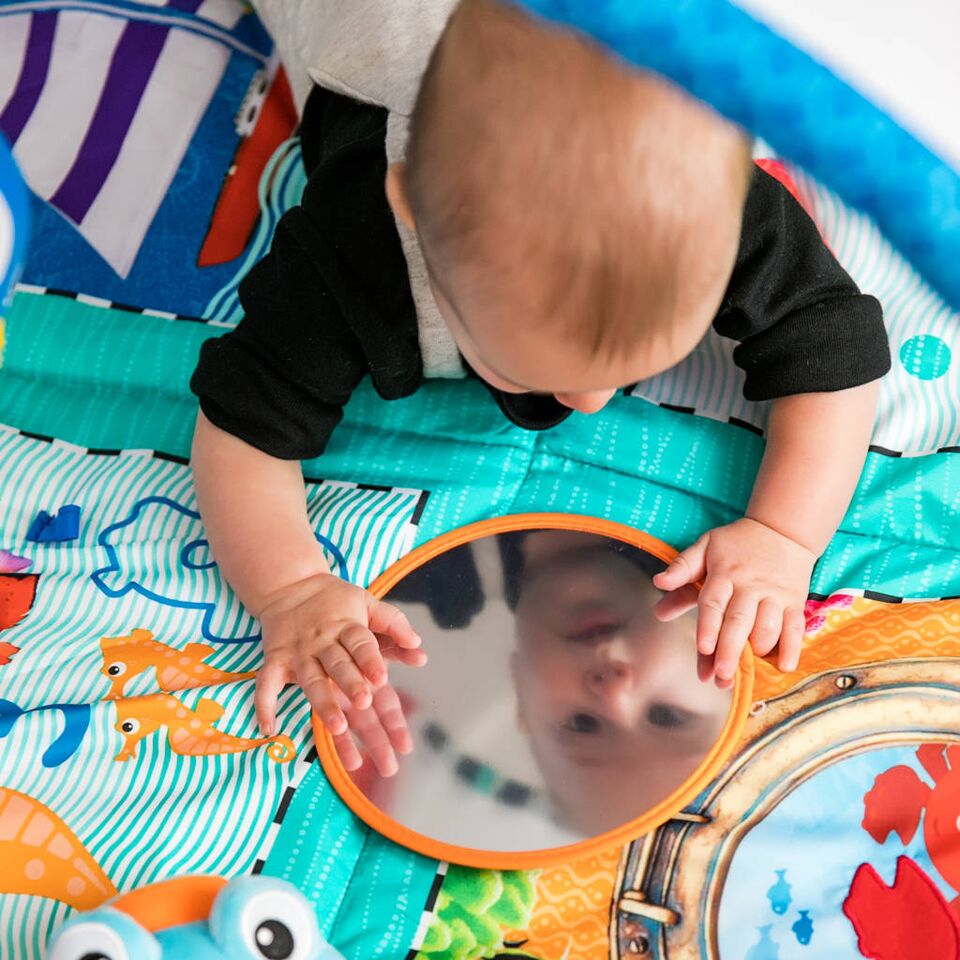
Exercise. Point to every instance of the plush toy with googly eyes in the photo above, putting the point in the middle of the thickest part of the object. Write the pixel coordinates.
(198, 918)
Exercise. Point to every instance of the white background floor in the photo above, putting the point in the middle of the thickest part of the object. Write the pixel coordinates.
(902, 54)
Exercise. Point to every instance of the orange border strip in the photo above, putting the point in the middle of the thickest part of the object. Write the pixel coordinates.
(170, 903)
(554, 856)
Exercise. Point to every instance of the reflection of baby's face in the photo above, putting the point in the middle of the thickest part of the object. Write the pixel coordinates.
(607, 694)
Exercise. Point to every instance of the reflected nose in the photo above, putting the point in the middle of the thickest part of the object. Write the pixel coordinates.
(586, 402)
(610, 684)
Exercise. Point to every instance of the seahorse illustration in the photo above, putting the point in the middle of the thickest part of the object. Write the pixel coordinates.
(126, 657)
(42, 857)
(190, 733)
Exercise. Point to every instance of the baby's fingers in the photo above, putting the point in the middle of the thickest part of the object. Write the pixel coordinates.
(409, 658)
(387, 621)
(347, 750)
(676, 603)
(371, 732)
(364, 652)
(387, 704)
(738, 623)
(791, 640)
(712, 604)
(768, 627)
(339, 664)
(319, 691)
(270, 681)
(687, 567)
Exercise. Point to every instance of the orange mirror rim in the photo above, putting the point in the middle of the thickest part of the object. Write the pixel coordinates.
(657, 815)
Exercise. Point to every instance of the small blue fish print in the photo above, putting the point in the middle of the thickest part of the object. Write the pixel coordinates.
(764, 948)
(779, 894)
(803, 928)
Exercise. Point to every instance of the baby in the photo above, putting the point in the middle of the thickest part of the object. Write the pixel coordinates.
(582, 225)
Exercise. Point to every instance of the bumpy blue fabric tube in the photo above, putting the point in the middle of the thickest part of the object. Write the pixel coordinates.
(14, 216)
(759, 79)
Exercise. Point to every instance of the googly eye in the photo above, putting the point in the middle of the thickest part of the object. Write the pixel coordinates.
(259, 918)
(116, 669)
(274, 939)
(130, 726)
(106, 934)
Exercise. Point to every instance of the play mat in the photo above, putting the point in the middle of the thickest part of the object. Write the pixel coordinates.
(158, 141)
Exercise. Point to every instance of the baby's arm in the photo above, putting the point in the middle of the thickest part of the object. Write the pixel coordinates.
(756, 571)
(316, 627)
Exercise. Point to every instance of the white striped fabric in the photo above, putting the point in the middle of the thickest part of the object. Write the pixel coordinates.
(183, 82)
(13, 40)
(917, 411)
(160, 813)
(103, 123)
(79, 61)
(225, 12)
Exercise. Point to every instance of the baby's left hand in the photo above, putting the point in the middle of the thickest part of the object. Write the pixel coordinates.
(755, 585)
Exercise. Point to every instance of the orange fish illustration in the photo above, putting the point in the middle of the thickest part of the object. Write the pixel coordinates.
(42, 857)
(190, 733)
(127, 657)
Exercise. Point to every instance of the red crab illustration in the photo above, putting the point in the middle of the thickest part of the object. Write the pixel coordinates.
(900, 799)
(909, 920)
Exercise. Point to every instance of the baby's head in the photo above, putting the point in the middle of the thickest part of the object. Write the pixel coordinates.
(579, 218)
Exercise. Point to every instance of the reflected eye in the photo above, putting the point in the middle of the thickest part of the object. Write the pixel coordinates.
(663, 715)
(116, 669)
(130, 726)
(595, 633)
(584, 723)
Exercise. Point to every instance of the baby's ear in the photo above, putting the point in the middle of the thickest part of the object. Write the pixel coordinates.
(397, 194)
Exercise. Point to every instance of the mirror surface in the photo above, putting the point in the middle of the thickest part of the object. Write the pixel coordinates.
(554, 706)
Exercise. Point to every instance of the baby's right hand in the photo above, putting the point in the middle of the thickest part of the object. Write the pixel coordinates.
(322, 632)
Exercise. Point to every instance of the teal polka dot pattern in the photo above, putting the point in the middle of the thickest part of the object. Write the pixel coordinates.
(925, 357)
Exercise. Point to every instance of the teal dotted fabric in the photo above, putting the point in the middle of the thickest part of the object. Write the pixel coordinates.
(926, 357)
(670, 473)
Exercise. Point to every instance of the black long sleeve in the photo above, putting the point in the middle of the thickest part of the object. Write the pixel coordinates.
(802, 323)
(328, 304)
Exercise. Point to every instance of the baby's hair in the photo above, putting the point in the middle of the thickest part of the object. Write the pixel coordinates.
(514, 562)
(538, 158)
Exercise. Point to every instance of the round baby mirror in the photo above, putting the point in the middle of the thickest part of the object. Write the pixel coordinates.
(556, 715)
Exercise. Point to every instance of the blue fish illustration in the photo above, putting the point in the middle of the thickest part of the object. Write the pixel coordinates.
(779, 894)
(803, 928)
(76, 720)
(764, 948)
